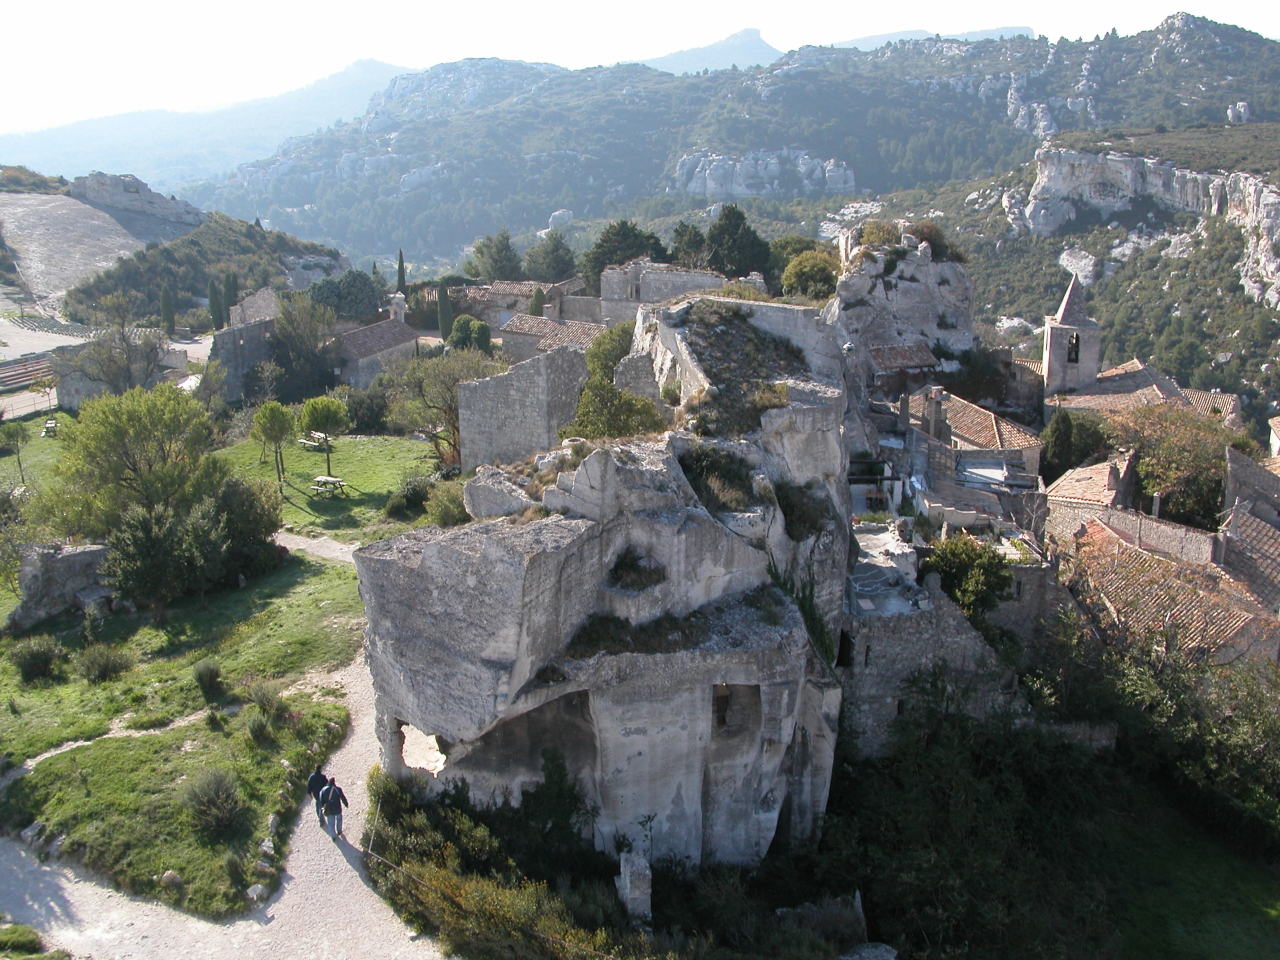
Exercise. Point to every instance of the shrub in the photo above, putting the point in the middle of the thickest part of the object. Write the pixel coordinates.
(19, 938)
(100, 662)
(879, 233)
(259, 727)
(208, 677)
(445, 507)
(410, 498)
(804, 512)
(37, 658)
(631, 571)
(266, 697)
(233, 863)
(671, 393)
(212, 797)
(722, 480)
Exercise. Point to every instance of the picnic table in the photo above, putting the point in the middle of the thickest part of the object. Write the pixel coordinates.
(315, 441)
(50, 429)
(329, 486)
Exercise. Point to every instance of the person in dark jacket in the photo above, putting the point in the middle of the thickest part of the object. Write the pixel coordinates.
(315, 783)
(332, 800)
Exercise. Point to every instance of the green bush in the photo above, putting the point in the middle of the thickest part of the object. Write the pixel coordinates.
(445, 507)
(19, 938)
(37, 658)
(266, 697)
(212, 797)
(879, 233)
(722, 480)
(804, 512)
(208, 677)
(410, 498)
(100, 662)
(259, 727)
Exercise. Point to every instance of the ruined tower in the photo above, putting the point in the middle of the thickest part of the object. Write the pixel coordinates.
(1072, 344)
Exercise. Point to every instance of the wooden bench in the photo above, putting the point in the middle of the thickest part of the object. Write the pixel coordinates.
(309, 444)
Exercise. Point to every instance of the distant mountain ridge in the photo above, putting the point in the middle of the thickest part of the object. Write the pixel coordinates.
(512, 142)
(167, 148)
(880, 39)
(746, 48)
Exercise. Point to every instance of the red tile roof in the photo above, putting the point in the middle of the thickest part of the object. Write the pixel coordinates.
(374, 339)
(554, 333)
(901, 356)
(1253, 555)
(1144, 594)
(974, 426)
(1086, 485)
(1135, 384)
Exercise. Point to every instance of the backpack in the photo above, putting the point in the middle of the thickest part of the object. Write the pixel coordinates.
(331, 800)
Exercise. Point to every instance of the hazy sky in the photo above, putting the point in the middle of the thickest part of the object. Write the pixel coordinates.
(80, 59)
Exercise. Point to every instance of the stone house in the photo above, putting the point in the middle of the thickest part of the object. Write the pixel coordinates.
(363, 353)
(898, 368)
(524, 336)
(237, 349)
(967, 426)
(624, 288)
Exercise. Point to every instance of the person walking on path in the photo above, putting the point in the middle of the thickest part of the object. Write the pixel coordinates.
(315, 783)
(332, 799)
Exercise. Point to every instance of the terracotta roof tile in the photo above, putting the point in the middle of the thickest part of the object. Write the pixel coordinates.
(976, 427)
(1135, 384)
(1085, 485)
(374, 339)
(1253, 555)
(1143, 594)
(901, 356)
(554, 333)
(1035, 366)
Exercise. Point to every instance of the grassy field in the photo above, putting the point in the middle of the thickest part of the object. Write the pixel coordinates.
(303, 616)
(117, 799)
(372, 467)
(118, 802)
(38, 456)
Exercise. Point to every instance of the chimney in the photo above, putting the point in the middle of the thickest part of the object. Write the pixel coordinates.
(904, 412)
(1155, 505)
(935, 415)
(1113, 476)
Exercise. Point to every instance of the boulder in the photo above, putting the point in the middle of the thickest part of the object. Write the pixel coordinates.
(490, 494)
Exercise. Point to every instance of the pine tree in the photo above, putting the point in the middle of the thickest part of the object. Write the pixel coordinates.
(216, 316)
(230, 295)
(444, 313)
(537, 303)
(400, 282)
(166, 310)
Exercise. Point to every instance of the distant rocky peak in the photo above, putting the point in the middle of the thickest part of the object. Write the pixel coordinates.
(451, 88)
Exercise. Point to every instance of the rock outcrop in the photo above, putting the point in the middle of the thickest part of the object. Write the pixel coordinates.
(127, 192)
(1067, 180)
(53, 578)
(760, 174)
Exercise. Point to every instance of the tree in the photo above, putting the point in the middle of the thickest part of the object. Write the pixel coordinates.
(400, 279)
(460, 335)
(1180, 457)
(352, 296)
(537, 303)
(973, 574)
(689, 246)
(605, 411)
(327, 415)
(494, 258)
(121, 358)
(15, 435)
(146, 448)
(811, 274)
(230, 293)
(215, 304)
(928, 231)
(550, 259)
(424, 395)
(273, 425)
(733, 247)
(1058, 446)
(166, 311)
(619, 242)
(301, 346)
(444, 312)
(482, 337)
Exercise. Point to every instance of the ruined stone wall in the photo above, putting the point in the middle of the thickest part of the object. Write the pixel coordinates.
(580, 309)
(53, 578)
(1066, 517)
(237, 350)
(75, 388)
(882, 652)
(1032, 601)
(507, 417)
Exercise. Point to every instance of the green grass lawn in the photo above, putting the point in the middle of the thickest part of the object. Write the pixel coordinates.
(118, 802)
(372, 467)
(1186, 896)
(305, 615)
(38, 456)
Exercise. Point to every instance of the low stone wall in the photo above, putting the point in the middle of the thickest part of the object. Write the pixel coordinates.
(1066, 517)
(505, 418)
(54, 578)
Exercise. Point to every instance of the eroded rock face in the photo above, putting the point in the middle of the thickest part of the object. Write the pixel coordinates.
(1111, 182)
(762, 173)
(127, 192)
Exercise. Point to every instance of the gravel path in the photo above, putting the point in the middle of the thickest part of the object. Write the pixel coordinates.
(324, 909)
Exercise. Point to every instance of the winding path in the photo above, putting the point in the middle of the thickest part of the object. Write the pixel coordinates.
(324, 909)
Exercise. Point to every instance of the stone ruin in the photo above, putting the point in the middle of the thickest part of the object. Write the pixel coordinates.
(605, 604)
(53, 578)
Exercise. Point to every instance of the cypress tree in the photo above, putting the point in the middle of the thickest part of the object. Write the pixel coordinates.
(537, 303)
(216, 315)
(444, 313)
(230, 295)
(400, 284)
(166, 310)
